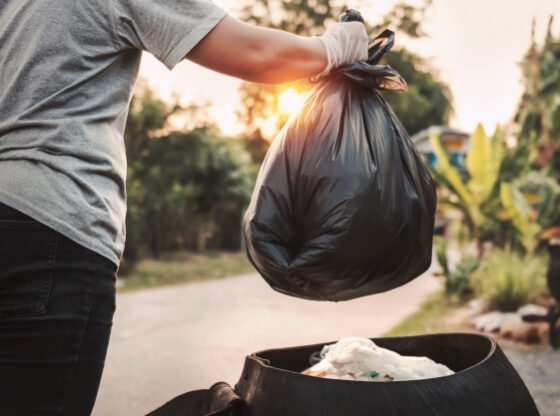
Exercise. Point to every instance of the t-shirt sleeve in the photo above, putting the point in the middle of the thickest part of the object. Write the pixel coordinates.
(168, 29)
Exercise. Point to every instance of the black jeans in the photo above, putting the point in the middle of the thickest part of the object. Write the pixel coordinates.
(57, 301)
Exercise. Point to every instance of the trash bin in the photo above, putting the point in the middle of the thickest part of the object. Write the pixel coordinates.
(485, 383)
(271, 384)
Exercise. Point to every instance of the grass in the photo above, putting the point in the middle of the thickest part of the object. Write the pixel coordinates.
(184, 267)
(430, 317)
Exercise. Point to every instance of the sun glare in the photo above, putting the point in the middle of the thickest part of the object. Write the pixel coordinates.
(269, 127)
(290, 101)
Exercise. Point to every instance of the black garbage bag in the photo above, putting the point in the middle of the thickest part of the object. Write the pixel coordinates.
(343, 205)
(484, 383)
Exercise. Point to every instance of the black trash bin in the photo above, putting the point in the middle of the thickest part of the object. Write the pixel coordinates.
(271, 384)
(485, 383)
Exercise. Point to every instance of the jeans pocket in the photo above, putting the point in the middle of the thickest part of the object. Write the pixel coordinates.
(27, 256)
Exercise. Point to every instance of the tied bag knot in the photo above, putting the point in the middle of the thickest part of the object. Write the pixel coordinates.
(369, 74)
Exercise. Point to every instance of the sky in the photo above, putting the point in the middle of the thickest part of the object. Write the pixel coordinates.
(475, 45)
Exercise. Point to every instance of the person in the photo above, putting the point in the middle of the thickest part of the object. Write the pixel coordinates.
(67, 74)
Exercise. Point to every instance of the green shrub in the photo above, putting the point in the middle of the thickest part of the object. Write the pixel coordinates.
(457, 281)
(509, 280)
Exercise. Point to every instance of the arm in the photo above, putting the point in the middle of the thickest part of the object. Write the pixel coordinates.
(258, 54)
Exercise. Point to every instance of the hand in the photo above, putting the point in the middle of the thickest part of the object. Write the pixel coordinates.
(344, 42)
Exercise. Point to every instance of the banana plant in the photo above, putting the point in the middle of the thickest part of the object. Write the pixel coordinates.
(483, 164)
(485, 200)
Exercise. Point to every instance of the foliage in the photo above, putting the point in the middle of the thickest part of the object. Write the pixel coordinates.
(183, 267)
(517, 160)
(517, 210)
(509, 195)
(543, 193)
(539, 109)
(257, 146)
(427, 102)
(470, 193)
(473, 193)
(509, 280)
(186, 190)
(457, 281)
(493, 208)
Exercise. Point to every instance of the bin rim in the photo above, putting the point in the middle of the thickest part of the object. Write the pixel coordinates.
(266, 363)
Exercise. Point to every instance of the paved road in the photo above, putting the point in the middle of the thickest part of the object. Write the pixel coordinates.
(175, 339)
(540, 370)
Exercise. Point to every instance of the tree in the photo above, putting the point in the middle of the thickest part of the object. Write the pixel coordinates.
(538, 112)
(257, 146)
(186, 190)
(428, 101)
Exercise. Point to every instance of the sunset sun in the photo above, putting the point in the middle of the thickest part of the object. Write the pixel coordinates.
(290, 101)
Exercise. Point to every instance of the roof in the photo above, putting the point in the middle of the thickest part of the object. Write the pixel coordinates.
(421, 139)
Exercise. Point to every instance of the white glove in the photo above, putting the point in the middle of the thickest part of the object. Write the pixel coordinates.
(344, 42)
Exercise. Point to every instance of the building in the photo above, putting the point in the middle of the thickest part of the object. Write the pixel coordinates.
(457, 143)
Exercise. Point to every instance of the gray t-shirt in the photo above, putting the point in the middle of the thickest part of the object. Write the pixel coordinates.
(67, 73)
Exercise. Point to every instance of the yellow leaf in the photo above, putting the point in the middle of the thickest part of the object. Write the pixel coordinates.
(504, 215)
(497, 146)
(533, 198)
(514, 207)
(482, 164)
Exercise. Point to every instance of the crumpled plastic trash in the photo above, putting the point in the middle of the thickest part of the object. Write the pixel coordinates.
(356, 358)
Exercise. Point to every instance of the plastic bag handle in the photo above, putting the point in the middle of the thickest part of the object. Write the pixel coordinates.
(379, 45)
